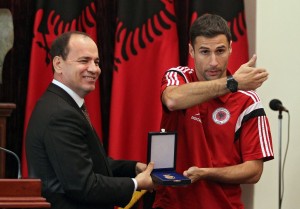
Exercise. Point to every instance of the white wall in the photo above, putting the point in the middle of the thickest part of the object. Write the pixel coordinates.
(274, 35)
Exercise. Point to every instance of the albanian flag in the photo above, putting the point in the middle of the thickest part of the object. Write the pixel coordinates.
(52, 18)
(146, 45)
(233, 12)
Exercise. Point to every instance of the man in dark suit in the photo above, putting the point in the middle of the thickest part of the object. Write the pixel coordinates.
(62, 148)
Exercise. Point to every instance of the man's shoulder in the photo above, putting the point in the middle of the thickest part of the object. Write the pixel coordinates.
(181, 69)
(187, 73)
(248, 95)
(246, 100)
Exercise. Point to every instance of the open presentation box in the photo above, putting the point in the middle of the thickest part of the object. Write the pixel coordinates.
(162, 147)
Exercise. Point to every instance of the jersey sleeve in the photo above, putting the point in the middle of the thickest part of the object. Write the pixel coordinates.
(256, 139)
(175, 77)
(255, 134)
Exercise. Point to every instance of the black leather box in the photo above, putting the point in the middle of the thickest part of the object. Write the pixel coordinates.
(162, 148)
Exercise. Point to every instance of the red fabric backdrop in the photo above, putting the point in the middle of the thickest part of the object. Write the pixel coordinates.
(146, 44)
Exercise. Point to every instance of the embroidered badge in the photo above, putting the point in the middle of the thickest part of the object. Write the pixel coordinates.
(221, 116)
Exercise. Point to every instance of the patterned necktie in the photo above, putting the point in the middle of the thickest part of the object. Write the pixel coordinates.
(84, 110)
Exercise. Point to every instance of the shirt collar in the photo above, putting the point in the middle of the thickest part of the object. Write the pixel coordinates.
(75, 96)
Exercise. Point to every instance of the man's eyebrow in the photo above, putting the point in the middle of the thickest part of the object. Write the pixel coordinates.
(89, 58)
(203, 47)
(222, 46)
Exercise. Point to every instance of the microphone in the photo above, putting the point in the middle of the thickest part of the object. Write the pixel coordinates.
(18, 160)
(276, 104)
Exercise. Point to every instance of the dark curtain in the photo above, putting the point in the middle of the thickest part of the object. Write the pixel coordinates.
(16, 65)
(15, 76)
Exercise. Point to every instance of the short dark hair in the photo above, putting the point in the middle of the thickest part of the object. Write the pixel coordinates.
(209, 25)
(60, 46)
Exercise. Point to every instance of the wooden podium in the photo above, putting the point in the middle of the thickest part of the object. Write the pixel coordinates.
(17, 193)
(5, 111)
(22, 193)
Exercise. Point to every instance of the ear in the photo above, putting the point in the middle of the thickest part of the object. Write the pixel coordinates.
(191, 51)
(57, 62)
(230, 47)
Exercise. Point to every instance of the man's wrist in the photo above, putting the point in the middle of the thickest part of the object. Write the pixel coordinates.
(232, 84)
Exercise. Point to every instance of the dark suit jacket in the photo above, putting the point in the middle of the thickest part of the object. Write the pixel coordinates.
(66, 154)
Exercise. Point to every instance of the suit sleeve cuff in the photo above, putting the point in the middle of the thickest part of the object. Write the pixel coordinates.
(135, 184)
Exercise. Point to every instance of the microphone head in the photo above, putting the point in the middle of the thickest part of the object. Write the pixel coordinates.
(275, 104)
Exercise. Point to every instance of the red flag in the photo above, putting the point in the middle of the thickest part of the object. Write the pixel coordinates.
(233, 12)
(52, 18)
(146, 46)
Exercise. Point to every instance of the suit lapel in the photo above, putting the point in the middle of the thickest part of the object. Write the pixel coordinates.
(93, 141)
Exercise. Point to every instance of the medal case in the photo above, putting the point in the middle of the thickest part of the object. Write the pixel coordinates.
(162, 148)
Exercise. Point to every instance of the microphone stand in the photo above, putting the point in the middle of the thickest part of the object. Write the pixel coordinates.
(279, 153)
(18, 160)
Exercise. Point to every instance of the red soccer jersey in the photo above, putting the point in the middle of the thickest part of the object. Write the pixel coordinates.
(221, 132)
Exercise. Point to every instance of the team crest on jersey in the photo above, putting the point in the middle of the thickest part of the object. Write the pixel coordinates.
(221, 116)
